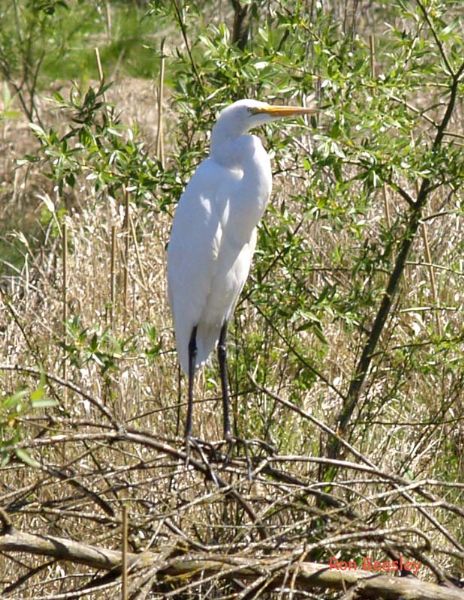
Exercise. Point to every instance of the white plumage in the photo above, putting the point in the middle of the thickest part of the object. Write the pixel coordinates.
(213, 235)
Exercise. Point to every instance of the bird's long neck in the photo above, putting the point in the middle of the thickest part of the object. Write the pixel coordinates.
(246, 157)
(256, 181)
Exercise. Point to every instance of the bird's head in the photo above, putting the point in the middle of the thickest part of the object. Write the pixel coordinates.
(243, 115)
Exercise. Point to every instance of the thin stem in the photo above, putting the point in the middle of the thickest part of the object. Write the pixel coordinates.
(159, 133)
(112, 276)
(125, 553)
(386, 207)
(183, 30)
(372, 55)
(433, 284)
(65, 301)
(126, 228)
(437, 39)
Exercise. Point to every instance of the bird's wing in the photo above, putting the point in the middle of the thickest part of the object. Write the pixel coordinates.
(194, 247)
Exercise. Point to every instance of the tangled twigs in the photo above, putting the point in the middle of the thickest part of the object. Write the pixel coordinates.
(197, 567)
(208, 524)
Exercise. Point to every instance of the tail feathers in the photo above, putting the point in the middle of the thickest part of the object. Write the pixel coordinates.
(207, 338)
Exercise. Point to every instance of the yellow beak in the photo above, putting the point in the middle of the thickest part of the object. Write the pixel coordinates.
(286, 111)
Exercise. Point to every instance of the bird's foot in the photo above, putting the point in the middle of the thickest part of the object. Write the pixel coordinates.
(200, 447)
(241, 442)
(236, 442)
(191, 443)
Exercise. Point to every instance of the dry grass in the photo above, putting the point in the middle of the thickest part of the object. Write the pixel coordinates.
(113, 440)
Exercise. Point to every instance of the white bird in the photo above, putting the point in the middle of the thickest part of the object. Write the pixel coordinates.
(213, 238)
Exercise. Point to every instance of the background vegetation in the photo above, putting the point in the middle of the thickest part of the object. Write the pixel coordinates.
(347, 345)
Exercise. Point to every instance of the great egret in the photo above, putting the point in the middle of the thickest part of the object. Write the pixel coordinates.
(213, 238)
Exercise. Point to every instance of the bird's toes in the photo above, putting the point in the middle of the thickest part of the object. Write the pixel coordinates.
(190, 443)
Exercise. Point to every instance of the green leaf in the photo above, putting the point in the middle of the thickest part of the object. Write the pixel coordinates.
(44, 402)
(26, 458)
(13, 400)
(37, 394)
(39, 131)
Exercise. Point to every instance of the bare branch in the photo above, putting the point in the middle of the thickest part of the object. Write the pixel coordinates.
(196, 567)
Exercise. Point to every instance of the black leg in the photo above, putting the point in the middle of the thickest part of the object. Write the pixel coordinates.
(222, 357)
(192, 354)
